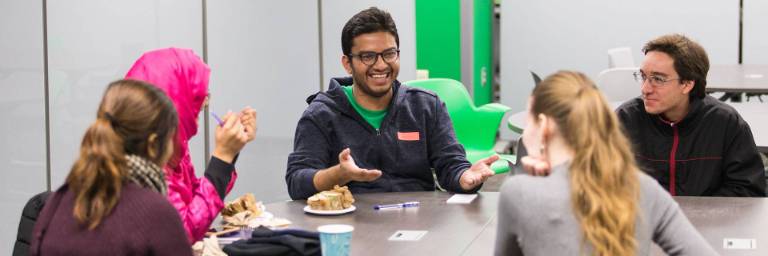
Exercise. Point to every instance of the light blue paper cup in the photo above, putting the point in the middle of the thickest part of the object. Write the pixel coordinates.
(334, 239)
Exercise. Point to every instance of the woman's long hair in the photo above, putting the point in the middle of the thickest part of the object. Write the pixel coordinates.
(603, 172)
(130, 112)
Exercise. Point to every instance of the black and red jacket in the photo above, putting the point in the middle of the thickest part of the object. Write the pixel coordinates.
(711, 152)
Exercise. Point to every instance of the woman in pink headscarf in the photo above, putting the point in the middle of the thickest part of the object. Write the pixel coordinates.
(184, 77)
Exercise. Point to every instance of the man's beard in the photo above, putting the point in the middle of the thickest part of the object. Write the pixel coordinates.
(362, 84)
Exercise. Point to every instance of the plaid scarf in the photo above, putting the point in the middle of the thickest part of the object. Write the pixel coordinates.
(146, 174)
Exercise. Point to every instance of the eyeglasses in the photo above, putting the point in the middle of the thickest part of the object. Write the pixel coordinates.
(654, 80)
(369, 58)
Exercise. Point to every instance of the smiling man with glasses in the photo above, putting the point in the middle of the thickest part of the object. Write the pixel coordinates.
(693, 144)
(373, 134)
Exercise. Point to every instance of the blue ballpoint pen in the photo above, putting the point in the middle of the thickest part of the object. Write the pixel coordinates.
(394, 206)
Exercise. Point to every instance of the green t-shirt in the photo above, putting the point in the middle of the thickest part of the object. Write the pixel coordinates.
(372, 117)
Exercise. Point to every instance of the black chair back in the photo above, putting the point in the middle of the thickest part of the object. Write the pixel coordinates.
(27, 223)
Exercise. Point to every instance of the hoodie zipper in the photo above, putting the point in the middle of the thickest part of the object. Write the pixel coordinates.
(672, 161)
(358, 118)
(377, 132)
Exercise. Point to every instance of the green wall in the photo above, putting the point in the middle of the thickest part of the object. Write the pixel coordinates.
(438, 38)
(438, 43)
(483, 69)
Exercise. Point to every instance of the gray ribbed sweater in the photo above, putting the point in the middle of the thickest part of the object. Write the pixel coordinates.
(535, 218)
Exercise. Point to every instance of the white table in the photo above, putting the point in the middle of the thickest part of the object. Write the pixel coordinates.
(451, 228)
(738, 78)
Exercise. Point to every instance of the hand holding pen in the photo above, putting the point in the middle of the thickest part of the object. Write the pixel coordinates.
(396, 206)
(247, 119)
(230, 137)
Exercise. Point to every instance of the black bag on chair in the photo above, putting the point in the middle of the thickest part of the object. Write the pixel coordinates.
(27, 223)
(277, 242)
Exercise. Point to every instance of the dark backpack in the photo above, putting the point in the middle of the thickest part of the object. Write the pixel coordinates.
(27, 223)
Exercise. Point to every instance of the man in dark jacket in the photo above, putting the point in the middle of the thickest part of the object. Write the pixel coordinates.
(693, 144)
(373, 134)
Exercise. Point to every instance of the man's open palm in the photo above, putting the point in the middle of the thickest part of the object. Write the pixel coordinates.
(478, 173)
(350, 169)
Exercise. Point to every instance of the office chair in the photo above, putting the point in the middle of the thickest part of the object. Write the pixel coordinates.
(620, 58)
(618, 84)
(27, 223)
(536, 78)
(475, 127)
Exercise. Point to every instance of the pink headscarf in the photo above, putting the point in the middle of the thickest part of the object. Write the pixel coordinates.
(183, 76)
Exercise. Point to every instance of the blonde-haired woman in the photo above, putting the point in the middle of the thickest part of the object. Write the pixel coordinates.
(595, 201)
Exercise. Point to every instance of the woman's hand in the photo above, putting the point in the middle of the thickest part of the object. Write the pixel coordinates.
(231, 137)
(248, 120)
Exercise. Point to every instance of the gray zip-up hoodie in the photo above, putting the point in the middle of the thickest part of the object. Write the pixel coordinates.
(415, 136)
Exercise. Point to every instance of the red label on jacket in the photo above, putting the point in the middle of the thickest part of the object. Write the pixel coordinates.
(408, 136)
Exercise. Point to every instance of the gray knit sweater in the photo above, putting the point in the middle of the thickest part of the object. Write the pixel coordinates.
(535, 218)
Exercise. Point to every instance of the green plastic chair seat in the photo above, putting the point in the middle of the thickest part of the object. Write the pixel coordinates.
(475, 127)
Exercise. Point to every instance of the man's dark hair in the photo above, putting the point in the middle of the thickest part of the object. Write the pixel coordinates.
(370, 20)
(690, 60)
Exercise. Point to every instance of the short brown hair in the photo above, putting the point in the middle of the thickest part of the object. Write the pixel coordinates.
(370, 20)
(690, 60)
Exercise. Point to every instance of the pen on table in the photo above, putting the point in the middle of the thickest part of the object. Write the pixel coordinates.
(218, 120)
(394, 206)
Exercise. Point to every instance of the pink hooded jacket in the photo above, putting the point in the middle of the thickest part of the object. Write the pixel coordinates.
(184, 77)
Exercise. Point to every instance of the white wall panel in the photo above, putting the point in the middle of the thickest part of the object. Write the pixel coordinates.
(92, 43)
(755, 45)
(550, 35)
(264, 54)
(22, 111)
(336, 13)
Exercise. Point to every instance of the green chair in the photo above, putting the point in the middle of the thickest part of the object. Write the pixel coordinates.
(475, 127)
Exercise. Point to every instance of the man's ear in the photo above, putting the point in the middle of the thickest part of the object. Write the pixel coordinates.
(151, 142)
(688, 86)
(347, 63)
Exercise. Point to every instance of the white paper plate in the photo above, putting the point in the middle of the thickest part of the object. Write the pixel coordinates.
(334, 212)
(266, 215)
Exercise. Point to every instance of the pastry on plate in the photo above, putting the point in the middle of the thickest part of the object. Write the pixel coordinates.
(338, 198)
(244, 203)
